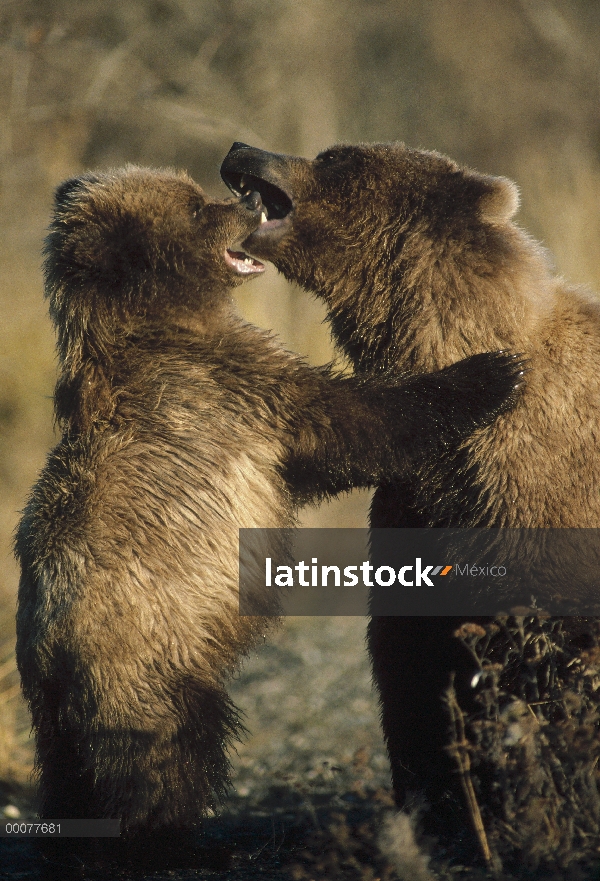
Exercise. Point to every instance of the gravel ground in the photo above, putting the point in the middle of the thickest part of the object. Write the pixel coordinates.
(309, 704)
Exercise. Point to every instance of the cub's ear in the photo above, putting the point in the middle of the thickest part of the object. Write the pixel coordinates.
(500, 199)
(69, 188)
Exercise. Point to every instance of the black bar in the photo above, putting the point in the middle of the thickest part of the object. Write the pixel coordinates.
(387, 572)
(60, 828)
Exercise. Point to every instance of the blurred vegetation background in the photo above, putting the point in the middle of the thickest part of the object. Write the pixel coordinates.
(511, 87)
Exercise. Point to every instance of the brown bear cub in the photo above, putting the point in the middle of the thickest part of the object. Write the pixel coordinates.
(420, 264)
(181, 423)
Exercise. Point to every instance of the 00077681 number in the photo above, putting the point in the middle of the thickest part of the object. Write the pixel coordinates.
(32, 828)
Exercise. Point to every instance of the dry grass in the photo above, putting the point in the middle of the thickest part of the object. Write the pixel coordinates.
(16, 751)
(530, 753)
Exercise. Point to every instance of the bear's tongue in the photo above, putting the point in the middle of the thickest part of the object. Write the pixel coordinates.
(242, 263)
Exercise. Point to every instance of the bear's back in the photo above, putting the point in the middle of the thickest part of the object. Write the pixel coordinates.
(133, 526)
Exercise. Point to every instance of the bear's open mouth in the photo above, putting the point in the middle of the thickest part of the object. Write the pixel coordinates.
(242, 264)
(276, 202)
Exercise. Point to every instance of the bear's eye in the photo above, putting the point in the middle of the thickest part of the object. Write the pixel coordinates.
(196, 210)
(327, 158)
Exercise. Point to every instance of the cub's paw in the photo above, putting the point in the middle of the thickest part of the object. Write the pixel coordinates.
(481, 387)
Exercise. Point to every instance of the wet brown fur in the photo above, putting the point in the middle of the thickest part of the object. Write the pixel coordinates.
(420, 264)
(181, 423)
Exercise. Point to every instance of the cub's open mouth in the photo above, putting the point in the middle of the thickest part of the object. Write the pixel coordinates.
(276, 202)
(242, 264)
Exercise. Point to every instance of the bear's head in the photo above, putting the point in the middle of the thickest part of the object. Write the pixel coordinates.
(363, 201)
(139, 245)
(393, 240)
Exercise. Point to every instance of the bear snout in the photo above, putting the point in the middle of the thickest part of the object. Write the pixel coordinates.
(248, 168)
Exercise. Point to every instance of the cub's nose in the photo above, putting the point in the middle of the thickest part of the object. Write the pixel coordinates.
(237, 145)
(252, 201)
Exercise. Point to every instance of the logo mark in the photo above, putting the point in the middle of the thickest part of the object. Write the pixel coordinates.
(422, 575)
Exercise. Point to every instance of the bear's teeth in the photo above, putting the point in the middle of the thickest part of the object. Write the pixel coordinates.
(263, 217)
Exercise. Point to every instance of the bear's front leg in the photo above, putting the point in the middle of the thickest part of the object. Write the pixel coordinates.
(364, 431)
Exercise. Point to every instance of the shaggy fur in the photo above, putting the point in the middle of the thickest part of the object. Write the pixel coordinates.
(181, 424)
(420, 264)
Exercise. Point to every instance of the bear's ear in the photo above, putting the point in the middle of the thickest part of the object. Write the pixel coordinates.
(500, 199)
(65, 191)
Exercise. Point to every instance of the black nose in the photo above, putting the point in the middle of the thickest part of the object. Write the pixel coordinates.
(252, 201)
(237, 145)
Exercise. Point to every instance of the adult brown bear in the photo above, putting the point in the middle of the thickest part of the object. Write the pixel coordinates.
(181, 423)
(419, 264)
